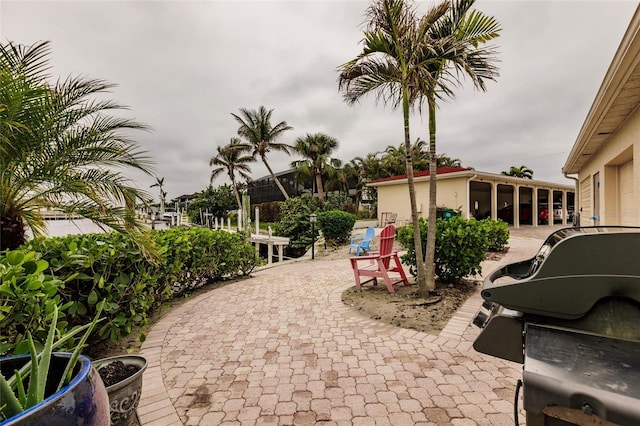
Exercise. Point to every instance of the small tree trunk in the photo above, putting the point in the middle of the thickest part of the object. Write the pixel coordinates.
(320, 187)
(431, 230)
(275, 179)
(422, 284)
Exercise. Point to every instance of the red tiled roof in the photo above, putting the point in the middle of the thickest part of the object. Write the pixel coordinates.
(440, 171)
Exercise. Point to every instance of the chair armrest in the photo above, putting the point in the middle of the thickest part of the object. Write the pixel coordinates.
(369, 257)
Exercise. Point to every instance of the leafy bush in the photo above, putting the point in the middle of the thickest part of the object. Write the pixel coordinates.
(497, 233)
(460, 247)
(104, 266)
(216, 201)
(29, 298)
(336, 225)
(339, 202)
(294, 220)
(110, 267)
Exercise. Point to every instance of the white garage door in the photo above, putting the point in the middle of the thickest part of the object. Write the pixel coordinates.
(628, 209)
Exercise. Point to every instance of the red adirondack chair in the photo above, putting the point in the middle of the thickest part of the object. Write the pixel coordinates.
(378, 264)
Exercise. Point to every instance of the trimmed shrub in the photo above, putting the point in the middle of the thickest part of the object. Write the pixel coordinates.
(336, 225)
(497, 233)
(460, 247)
(109, 266)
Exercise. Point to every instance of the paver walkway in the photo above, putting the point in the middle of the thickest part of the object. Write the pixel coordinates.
(282, 349)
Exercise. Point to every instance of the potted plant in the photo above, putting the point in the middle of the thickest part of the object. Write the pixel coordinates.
(122, 375)
(53, 388)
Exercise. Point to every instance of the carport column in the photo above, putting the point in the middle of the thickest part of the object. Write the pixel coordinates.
(494, 200)
(516, 206)
(534, 206)
(564, 207)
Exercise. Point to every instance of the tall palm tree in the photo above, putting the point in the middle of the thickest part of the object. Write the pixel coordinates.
(231, 158)
(60, 149)
(451, 45)
(316, 150)
(160, 184)
(255, 128)
(521, 172)
(388, 65)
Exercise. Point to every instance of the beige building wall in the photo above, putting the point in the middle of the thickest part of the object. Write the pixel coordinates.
(617, 200)
(394, 198)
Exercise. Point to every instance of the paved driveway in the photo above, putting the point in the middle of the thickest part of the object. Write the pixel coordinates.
(281, 349)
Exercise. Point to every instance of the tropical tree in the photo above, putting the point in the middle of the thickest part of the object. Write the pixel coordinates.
(316, 150)
(231, 158)
(255, 128)
(451, 43)
(163, 195)
(394, 158)
(388, 65)
(521, 172)
(443, 160)
(60, 148)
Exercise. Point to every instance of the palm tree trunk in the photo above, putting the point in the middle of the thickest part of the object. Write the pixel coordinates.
(235, 190)
(275, 179)
(431, 230)
(319, 186)
(422, 284)
(13, 233)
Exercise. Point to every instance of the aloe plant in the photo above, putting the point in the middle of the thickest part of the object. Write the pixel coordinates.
(15, 398)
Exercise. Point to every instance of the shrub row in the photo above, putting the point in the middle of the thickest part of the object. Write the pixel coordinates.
(77, 271)
(460, 245)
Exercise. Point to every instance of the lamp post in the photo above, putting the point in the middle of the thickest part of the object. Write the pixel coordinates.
(313, 218)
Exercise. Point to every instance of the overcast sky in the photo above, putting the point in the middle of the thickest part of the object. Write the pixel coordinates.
(184, 67)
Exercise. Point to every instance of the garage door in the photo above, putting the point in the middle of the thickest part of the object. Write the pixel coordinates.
(628, 209)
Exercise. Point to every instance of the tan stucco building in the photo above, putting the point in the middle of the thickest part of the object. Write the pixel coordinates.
(606, 154)
(479, 194)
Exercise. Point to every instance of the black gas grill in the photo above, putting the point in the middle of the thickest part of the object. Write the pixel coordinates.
(571, 315)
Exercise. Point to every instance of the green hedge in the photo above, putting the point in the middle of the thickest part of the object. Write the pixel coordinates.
(497, 233)
(460, 247)
(93, 267)
(336, 225)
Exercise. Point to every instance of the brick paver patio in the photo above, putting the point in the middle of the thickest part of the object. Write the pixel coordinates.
(281, 349)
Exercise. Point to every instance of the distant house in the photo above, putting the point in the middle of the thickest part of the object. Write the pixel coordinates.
(265, 190)
(184, 201)
(478, 194)
(606, 154)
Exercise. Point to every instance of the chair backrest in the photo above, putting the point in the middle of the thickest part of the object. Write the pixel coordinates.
(368, 235)
(387, 236)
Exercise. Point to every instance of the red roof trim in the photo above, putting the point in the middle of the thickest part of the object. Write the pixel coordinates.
(440, 171)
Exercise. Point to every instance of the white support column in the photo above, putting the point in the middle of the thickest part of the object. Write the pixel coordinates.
(494, 201)
(257, 215)
(516, 206)
(534, 207)
(565, 216)
(270, 252)
(280, 249)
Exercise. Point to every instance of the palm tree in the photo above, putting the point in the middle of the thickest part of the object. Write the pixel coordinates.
(443, 160)
(451, 44)
(388, 65)
(521, 172)
(231, 159)
(60, 149)
(160, 184)
(256, 128)
(316, 150)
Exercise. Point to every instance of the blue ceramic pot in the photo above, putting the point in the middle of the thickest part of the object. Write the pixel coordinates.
(84, 401)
